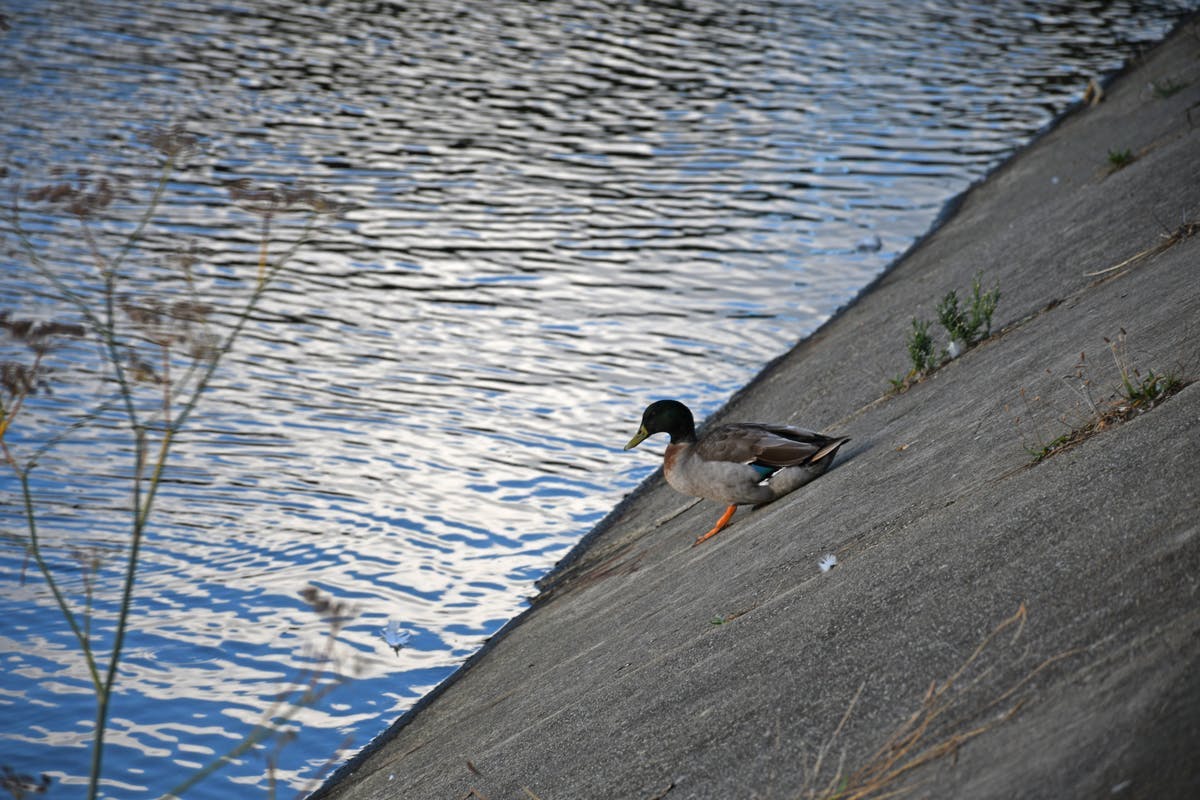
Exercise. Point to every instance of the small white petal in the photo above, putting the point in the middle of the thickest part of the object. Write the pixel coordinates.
(954, 350)
(827, 562)
(394, 636)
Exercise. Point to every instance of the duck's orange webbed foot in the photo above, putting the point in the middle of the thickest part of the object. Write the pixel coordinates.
(721, 523)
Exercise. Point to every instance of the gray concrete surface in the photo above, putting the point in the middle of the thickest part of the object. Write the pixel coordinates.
(620, 683)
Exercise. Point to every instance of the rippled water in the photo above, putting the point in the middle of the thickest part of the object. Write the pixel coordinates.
(558, 212)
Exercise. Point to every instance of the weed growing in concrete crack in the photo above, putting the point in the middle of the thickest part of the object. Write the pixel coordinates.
(965, 326)
(1141, 392)
(1148, 390)
(1119, 159)
(920, 346)
(1057, 444)
(1167, 87)
(1136, 394)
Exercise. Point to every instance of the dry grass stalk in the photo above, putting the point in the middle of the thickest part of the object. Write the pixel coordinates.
(473, 792)
(158, 361)
(915, 743)
(1171, 239)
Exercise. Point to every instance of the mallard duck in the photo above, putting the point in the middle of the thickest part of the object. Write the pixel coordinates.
(739, 463)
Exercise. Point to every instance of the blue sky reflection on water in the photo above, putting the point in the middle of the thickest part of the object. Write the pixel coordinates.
(560, 212)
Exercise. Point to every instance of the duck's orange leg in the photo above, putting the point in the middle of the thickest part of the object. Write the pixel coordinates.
(721, 523)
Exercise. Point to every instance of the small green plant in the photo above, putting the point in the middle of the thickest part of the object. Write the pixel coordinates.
(1167, 87)
(1150, 389)
(920, 346)
(953, 319)
(1054, 445)
(1119, 159)
(1141, 392)
(968, 326)
(1135, 394)
(965, 326)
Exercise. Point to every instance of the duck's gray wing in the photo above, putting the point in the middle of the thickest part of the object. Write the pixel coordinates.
(755, 443)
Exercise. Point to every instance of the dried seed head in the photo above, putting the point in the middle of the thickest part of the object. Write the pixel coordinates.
(19, 783)
(81, 197)
(147, 315)
(172, 141)
(187, 256)
(204, 346)
(268, 201)
(316, 601)
(142, 372)
(39, 336)
(190, 311)
(17, 379)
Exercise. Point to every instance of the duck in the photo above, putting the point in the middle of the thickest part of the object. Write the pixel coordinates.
(741, 463)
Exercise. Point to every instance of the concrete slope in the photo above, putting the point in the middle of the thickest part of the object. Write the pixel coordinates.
(651, 669)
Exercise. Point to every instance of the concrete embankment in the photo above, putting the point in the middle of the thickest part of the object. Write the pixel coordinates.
(1053, 606)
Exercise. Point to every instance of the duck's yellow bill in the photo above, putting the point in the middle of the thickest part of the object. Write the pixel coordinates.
(637, 438)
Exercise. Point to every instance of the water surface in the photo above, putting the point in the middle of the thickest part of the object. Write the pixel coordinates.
(558, 211)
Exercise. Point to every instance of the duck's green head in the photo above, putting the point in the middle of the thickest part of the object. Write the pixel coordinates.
(665, 416)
